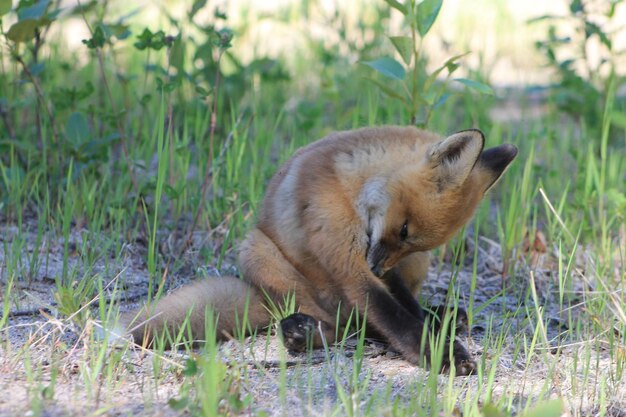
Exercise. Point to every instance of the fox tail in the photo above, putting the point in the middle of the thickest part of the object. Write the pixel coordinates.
(235, 305)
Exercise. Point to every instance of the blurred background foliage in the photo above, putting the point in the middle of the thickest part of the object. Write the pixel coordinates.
(92, 84)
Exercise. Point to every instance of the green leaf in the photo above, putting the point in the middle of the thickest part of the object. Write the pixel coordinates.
(119, 30)
(178, 405)
(576, 6)
(177, 53)
(171, 192)
(490, 410)
(22, 31)
(35, 11)
(77, 128)
(427, 12)
(36, 69)
(591, 29)
(475, 85)
(544, 17)
(388, 91)
(553, 408)
(617, 198)
(618, 119)
(398, 6)
(191, 367)
(98, 39)
(441, 101)
(450, 64)
(387, 66)
(149, 40)
(223, 38)
(22, 145)
(5, 6)
(404, 46)
(195, 8)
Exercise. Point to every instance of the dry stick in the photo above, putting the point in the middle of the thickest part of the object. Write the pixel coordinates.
(28, 313)
(38, 310)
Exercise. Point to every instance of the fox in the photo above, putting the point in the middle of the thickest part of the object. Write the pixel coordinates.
(347, 224)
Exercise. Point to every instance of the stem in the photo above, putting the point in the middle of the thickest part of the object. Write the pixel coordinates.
(416, 58)
(207, 176)
(40, 96)
(4, 114)
(170, 111)
(118, 123)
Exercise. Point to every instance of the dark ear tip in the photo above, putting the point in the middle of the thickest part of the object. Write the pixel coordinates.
(510, 150)
(499, 157)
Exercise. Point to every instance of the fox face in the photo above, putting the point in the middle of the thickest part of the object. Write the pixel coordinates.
(421, 206)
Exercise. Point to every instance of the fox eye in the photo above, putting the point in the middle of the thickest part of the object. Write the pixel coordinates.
(404, 231)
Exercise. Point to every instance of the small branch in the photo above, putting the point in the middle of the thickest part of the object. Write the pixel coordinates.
(31, 312)
(288, 364)
(96, 303)
(40, 96)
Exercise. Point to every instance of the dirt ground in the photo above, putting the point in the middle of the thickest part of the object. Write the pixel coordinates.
(35, 324)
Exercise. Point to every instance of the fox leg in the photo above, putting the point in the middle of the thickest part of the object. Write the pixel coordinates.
(396, 280)
(410, 273)
(399, 317)
(265, 266)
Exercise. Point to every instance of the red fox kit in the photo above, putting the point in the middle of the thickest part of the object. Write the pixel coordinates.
(347, 223)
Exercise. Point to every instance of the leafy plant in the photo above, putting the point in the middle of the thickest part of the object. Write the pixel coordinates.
(421, 93)
(582, 83)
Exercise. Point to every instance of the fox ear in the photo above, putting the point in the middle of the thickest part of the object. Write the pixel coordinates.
(454, 157)
(494, 161)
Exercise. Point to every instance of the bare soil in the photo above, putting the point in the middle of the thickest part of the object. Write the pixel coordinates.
(37, 336)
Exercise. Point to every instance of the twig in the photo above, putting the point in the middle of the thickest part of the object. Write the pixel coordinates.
(38, 310)
(288, 364)
(31, 312)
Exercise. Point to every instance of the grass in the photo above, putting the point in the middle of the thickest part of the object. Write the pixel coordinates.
(86, 231)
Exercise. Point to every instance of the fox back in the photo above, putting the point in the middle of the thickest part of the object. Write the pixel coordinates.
(390, 191)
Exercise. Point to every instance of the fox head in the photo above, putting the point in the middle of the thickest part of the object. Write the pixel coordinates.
(422, 205)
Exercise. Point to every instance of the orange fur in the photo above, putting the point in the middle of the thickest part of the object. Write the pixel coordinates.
(348, 222)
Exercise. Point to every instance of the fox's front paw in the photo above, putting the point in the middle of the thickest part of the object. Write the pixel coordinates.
(297, 331)
(463, 361)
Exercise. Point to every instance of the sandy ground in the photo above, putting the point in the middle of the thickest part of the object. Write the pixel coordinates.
(35, 326)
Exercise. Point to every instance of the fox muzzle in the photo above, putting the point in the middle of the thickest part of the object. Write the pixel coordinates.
(376, 258)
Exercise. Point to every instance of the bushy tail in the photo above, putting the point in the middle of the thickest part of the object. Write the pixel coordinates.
(230, 299)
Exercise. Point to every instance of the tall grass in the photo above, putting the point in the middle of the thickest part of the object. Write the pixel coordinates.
(70, 214)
